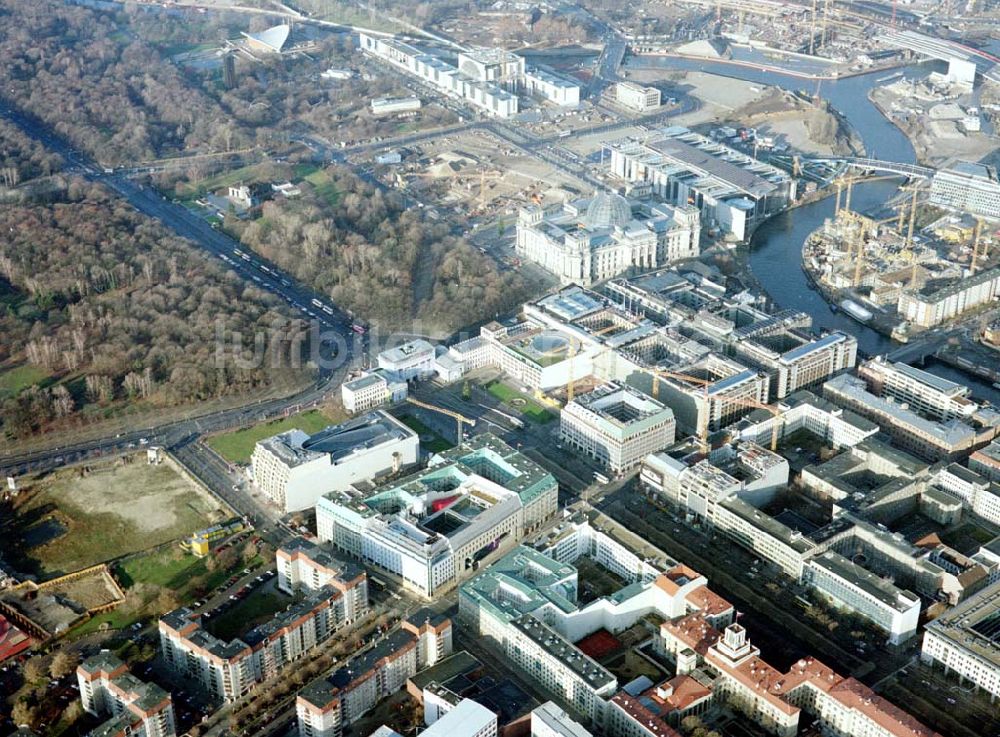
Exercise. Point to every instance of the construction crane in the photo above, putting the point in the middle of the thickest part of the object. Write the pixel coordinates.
(812, 29)
(826, 18)
(459, 418)
(975, 246)
(775, 412)
(859, 255)
(702, 430)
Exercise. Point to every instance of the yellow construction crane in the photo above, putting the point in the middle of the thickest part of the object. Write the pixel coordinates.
(777, 413)
(702, 430)
(843, 183)
(459, 418)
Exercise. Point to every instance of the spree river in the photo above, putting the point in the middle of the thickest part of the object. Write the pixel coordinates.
(776, 247)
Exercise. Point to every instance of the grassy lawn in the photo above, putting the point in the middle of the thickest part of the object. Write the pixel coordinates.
(72, 519)
(237, 446)
(259, 606)
(183, 574)
(12, 381)
(225, 179)
(515, 399)
(324, 187)
(435, 444)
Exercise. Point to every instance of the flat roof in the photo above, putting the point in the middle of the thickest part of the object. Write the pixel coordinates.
(877, 587)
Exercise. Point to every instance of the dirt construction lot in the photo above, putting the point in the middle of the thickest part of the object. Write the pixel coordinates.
(80, 516)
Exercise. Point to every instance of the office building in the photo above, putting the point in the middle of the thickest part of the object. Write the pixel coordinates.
(914, 432)
(548, 720)
(711, 393)
(849, 586)
(553, 87)
(636, 97)
(617, 426)
(330, 703)
(411, 360)
(965, 641)
(392, 105)
(294, 469)
(809, 362)
(437, 526)
(733, 191)
(968, 188)
(229, 670)
(304, 566)
(986, 461)
(935, 305)
(977, 493)
(595, 239)
(930, 395)
(805, 411)
(134, 708)
(372, 390)
(763, 535)
(479, 79)
(684, 477)
(465, 719)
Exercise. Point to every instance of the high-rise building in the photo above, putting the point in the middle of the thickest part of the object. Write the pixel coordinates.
(135, 708)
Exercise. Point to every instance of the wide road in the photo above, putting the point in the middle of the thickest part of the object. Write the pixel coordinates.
(335, 323)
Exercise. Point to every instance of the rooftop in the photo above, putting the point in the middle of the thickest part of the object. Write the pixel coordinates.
(593, 673)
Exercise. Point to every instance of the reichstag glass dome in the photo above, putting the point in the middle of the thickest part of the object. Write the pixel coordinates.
(607, 210)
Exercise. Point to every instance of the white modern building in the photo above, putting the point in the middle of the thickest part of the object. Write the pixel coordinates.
(851, 587)
(479, 79)
(734, 192)
(548, 720)
(551, 86)
(595, 239)
(930, 307)
(371, 391)
(967, 187)
(616, 425)
(134, 707)
(465, 719)
(411, 360)
(434, 528)
(965, 641)
(830, 424)
(638, 98)
(294, 469)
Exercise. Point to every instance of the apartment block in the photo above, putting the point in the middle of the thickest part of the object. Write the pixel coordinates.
(304, 566)
(134, 708)
(934, 306)
(229, 670)
(330, 703)
(617, 426)
(810, 362)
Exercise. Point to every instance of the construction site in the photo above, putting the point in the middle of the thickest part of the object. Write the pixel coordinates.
(868, 267)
